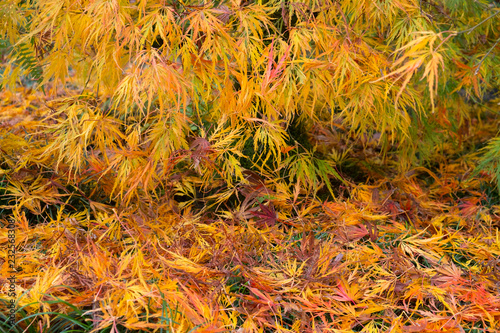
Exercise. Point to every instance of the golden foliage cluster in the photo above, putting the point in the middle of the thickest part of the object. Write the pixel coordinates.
(411, 253)
(251, 166)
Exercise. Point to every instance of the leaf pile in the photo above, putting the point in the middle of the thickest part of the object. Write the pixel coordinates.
(411, 253)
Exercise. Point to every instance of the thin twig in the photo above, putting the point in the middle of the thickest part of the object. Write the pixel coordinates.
(468, 31)
(485, 56)
(347, 28)
(88, 79)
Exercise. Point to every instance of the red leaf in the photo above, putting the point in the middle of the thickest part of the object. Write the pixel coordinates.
(268, 214)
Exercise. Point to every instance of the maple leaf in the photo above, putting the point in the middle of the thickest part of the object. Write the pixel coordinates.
(343, 294)
(267, 214)
(200, 151)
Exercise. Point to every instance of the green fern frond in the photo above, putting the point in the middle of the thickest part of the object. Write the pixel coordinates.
(311, 172)
(490, 161)
(23, 65)
(26, 58)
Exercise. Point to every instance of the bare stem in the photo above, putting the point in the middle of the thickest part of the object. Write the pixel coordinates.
(468, 31)
(485, 56)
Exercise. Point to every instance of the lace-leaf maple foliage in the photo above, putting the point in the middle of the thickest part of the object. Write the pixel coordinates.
(249, 165)
(156, 76)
